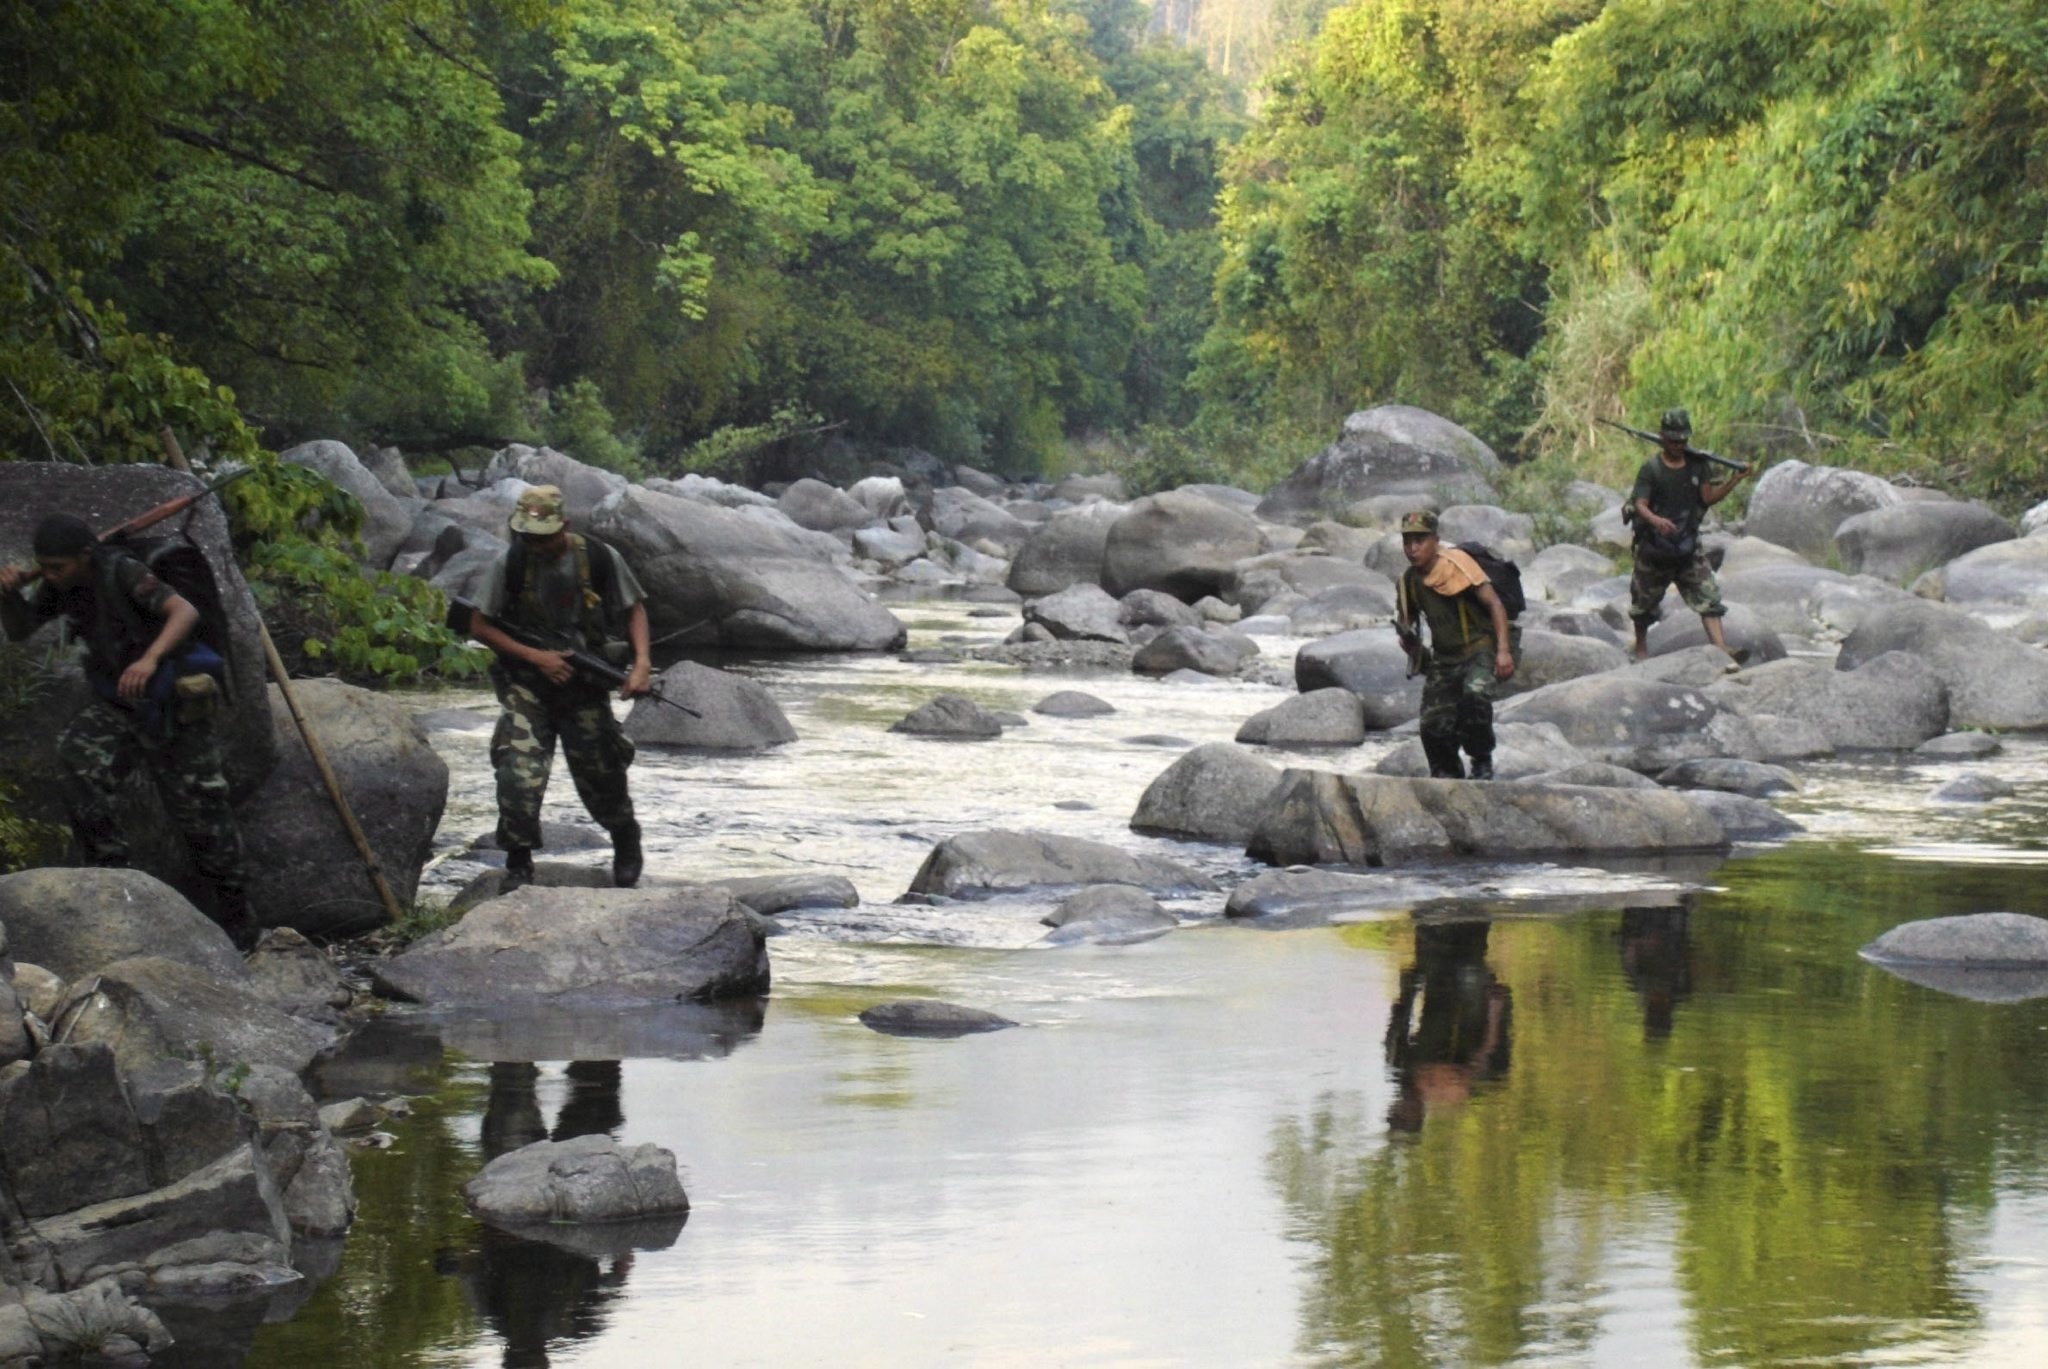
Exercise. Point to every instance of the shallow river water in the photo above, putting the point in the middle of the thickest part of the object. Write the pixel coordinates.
(1514, 1116)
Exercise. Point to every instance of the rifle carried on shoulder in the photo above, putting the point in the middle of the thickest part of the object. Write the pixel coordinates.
(171, 508)
(461, 611)
(1690, 450)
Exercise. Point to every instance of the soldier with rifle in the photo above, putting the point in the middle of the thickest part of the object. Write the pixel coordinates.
(157, 692)
(1673, 491)
(553, 585)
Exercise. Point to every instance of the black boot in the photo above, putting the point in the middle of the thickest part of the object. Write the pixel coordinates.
(626, 855)
(518, 868)
(1443, 759)
(235, 918)
(1482, 767)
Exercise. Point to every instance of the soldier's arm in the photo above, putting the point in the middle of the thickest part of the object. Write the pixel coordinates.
(15, 618)
(1496, 611)
(179, 619)
(1711, 495)
(641, 677)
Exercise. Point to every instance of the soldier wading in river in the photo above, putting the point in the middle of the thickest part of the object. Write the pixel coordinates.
(157, 693)
(576, 587)
(1471, 645)
(1672, 494)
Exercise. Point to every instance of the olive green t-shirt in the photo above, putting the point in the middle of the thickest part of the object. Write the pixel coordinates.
(1673, 492)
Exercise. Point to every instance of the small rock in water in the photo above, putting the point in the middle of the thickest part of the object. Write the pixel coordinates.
(931, 1017)
(1075, 806)
(585, 1179)
(1741, 817)
(987, 613)
(452, 720)
(1992, 941)
(1008, 719)
(1972, 789)
(554, 836)
(1750, 778)
(1072, 703)
(1188, 677)
(1960, 746)
(951, 715)
(930, 656)
(1157, 739)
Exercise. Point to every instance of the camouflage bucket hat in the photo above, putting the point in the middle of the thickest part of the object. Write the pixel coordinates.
(1675, 423)
(1422, 520)
(539, 511)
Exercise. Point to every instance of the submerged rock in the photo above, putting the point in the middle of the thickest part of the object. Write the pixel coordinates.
(1319, 818)
(950, 715)
(1118, 903)
(1072, 703)
(975, 864)
(584, 1179)
(1973, 789)
(1751, 778)
(1959, 746)
(930, 1017)
(1741, 817)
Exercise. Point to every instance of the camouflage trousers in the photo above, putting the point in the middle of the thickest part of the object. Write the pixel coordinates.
(1457, 707)
(101, 748)
(523, 749)
(1695, 581)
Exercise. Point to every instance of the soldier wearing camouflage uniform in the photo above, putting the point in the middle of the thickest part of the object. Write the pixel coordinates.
(1471, 646)
(1672, 494)
(157, 695)
(578, 588)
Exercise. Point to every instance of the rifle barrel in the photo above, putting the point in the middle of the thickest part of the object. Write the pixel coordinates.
(1690, 450)
(172, 507)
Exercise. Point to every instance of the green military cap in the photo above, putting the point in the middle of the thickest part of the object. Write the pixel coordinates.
(1421, 520)
(539, 511)
(1675, 423)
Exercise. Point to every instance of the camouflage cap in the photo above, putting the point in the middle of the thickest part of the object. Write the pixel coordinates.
(1421, 520)
(539, 511)
(1675, 423)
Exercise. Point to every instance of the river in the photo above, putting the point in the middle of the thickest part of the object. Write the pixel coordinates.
(1516, 1116)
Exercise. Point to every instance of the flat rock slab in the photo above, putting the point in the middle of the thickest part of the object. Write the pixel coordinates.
(149, 1009)
(1959, 746)
(1977, 941)
(1741, 817)
(772, 894)
(585, 1179)
(586, 946)
(1752, 778)
(930, 1017)
(976, 864)
(1320, 818)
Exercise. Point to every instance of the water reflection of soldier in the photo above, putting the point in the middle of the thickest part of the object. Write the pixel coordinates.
(1460, 1035)
(534, 1293)
(1656, 955)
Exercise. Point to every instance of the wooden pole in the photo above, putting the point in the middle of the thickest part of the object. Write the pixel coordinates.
(176, 455)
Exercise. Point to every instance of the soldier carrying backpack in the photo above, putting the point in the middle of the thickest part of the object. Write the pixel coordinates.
(157, 684)
(1464, 595)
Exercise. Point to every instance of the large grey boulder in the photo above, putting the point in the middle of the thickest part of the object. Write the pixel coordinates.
(968, 517)
(583, 486)
(1512, 535)
(1521, 751)
(2007, 579)
(1550, 657)
(1742, 627)
(1331, 716)
(1800, 506)
(1561, 571)
(1632, 722)
(1319, 818)
(583, 946)
(1178, 542)
(1341, 608)
(1994, 683)
(1991, 957)
(387, 519)
(68, 1136)
(1064, 550)
(821, 507)
(1370, 663)
(890, 547)
(1792, 598)
(1081, 612)
(977, 864)
(755, 584)
(1259, 580)
(584, 1179)
(883, 496)
(1394, 449)
(1191, 648)
(304, 872)
(739, 714)
(1151, 608)
(74, 922)
(149, 1009)
(105, 496)
(1901, 541)
(1213, 793)
(387, 464)
(1893, 702)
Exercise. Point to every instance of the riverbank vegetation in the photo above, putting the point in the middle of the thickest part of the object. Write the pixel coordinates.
(1184, 239)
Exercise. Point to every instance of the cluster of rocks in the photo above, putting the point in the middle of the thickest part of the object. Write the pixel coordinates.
(157, 1143)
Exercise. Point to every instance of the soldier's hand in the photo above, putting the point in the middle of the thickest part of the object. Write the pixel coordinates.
(1503, 665)
(555, 666)
(13, 578)
(135, 679)
(639, 680)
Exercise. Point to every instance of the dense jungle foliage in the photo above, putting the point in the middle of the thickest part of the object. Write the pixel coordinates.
(664, 233)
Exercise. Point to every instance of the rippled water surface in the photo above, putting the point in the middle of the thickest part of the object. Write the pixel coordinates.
(1516, 1115)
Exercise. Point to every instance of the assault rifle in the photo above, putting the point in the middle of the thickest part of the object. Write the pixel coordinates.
(1404, 630)
(171, 508)
(461, 611)
(1690, 450)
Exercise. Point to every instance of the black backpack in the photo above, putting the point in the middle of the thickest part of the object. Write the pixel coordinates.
(1505, 576)
(177, 560)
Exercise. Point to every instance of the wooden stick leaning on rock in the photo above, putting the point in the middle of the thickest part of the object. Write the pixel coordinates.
(175, 455)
